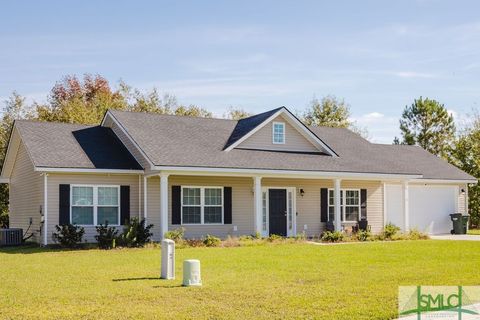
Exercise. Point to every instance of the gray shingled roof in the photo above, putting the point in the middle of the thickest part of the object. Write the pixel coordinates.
(61, 145)
(186, 141)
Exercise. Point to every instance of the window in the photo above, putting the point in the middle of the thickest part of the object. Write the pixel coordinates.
(264, 211)
(94, 205)
(202, 205)
(349, 205)
(278, 132)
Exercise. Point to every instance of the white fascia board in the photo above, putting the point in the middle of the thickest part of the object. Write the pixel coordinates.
(442, 181)
(86, 170)
(112, 117)
(309, 135)
(8, 161)
(202, 171)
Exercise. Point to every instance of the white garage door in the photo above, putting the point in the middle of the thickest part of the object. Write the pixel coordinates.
(430, 207)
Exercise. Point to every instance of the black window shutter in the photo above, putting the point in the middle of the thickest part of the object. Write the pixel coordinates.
(363, 203)
(64, 202)
(227, 205)
(323, 205)
(176, 205)
(124, 204)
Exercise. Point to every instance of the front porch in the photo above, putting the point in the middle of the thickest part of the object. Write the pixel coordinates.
(259, 205)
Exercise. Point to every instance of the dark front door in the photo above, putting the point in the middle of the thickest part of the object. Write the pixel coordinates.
(277, 202)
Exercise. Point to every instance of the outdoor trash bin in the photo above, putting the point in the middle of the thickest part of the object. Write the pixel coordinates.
(457, 220)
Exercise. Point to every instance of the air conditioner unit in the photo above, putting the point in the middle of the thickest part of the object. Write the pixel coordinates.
(11, 237)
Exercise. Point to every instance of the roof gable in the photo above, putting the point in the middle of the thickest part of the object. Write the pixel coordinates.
(294, 140)
(61, 145)
(247, 127)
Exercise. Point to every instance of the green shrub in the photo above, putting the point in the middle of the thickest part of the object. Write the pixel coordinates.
(335, 236)
(246, 238)
(135, 233)
(363, 235)
(68, 235)
(415, 234)
(389, 231)
(175, 235)
(274, 238)
(4, 222)
(106, 236)
(399, 236)
(211, 241)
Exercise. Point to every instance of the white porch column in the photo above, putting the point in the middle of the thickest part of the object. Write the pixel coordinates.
(257, 204)
(145, 199)
(45, 209)
(406, 213)
(163, 203)
(338, 209)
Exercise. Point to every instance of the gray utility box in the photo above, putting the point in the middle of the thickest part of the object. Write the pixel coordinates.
(11, 237)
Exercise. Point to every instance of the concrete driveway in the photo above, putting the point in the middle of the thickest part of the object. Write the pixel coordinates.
(463, 237)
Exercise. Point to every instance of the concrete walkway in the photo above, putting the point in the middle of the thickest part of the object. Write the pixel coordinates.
(462, 237)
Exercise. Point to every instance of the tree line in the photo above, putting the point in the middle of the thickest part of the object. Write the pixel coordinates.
(426, 122)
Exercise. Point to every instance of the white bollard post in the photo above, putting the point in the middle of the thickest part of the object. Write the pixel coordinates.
(191, 273)
(168, 259)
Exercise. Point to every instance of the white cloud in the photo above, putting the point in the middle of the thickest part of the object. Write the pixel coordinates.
(381, 128)
(413, 74)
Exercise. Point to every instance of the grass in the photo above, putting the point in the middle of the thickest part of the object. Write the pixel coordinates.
(474, 231)
(298, 280)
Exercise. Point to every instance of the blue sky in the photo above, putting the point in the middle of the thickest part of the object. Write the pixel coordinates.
(377, 55)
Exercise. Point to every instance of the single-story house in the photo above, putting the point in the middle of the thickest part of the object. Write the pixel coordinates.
(266, 174)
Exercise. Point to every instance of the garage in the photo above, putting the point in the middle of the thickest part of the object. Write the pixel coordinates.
(429, 207)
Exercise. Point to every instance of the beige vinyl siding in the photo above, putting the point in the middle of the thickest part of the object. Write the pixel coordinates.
(153, 206)
(263, 139)
(129, 145)
(462, 199)
(26, 195)
(54, 181)
(242, 206)
(308, 206)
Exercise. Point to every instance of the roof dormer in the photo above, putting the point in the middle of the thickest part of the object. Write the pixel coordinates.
(276, 130)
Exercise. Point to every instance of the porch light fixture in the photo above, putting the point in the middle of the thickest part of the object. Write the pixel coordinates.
(302, 192)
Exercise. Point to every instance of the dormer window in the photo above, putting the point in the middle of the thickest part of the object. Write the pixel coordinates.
(279, 133)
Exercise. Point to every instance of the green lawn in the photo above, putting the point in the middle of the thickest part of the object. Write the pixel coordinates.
(352, 281)
(474, 231)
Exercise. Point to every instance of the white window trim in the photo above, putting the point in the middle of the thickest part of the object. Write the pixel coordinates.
(273, 132)
(343, 204)
(95, 203)
(202, 205)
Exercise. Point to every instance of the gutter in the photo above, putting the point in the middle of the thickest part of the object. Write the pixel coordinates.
(87, 170)
(283, 173)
